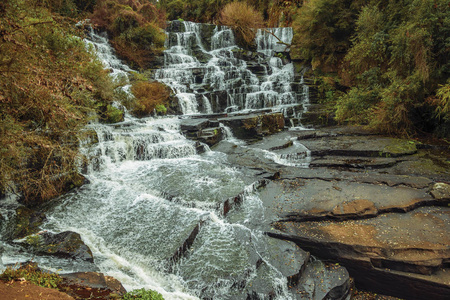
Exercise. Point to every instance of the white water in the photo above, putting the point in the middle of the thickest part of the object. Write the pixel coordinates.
(192, 69)
(149, 189)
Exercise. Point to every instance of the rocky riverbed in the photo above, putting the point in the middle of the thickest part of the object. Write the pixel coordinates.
(377, 205)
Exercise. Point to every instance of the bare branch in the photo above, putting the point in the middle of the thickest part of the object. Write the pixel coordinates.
(279, 40)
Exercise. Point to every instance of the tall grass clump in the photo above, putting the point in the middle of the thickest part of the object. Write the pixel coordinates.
(151, 97)
(244, 20)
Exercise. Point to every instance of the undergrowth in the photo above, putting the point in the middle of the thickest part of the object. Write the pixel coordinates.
(33, 275)
(50, 86)
(143, 294)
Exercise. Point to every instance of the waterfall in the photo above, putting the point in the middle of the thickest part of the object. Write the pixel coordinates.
(149, 191)
(272, 40)
(203, 64)
(153, 210)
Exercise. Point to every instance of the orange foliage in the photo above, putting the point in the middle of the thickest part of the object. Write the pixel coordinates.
(243, 19)
(150, 96)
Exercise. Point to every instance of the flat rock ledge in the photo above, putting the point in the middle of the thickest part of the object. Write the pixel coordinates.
(379, 206)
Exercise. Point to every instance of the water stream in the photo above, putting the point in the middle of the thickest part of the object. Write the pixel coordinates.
(149, 189)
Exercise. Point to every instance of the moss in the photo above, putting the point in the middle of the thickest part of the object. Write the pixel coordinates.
(250, 122)
(26, 222)
(400, 147)
(272, 123)
(113, 115)
(160, 109)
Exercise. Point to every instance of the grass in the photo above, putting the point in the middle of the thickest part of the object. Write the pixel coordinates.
(32, 274)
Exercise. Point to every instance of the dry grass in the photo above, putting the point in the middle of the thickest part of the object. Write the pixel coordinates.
(151, 97)
(243, 19)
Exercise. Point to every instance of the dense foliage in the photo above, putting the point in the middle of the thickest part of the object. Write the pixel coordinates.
(49, 84)
(135, 28)
(151, 97)
(143, 294)
(380, 63)
(274, 12)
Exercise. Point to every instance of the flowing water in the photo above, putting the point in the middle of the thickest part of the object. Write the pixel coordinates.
(149, 190)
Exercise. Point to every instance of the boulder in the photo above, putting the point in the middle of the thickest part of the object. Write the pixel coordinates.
(91, 285)
(404, 255)
(26, 221)
(67, 244)
(254, 126)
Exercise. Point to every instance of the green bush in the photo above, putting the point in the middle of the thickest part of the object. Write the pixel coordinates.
(143, 294)
(391, 56)
(31, 273)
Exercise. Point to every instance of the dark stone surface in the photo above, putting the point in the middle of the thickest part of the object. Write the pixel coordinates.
(254, 125)
(377, 205)
(193, 124)
(26, 221)
(91, 285)
(67, 244)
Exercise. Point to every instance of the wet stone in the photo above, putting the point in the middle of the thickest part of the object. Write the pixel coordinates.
(66, 244)
(441, 191)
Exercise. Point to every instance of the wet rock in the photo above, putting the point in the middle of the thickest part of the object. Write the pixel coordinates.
(187, 244)
(322, 281)
(193, 124)
(318, 118)
(303, 200)
(401, 251)
(441, 191)
(219, 100)
(27, 221)
(174, 106)
(360, 146)
(355, 209)
(288, 259)
(254, 126)
(230, 203)
(67, 244)
(89, 285)
(211, 136)
(354, 162)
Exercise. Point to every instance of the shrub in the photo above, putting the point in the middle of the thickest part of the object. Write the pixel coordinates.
(322, 31)
(134, 28)
(150, 97)
(31, 273)
(143, 294)
(442, 101)
(244, 20)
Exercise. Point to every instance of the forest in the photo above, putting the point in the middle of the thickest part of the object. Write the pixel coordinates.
(382, 64)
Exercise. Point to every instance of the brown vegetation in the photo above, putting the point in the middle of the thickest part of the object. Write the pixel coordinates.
(135, 28)
(48, 86)
(244, 20)
(152, 97)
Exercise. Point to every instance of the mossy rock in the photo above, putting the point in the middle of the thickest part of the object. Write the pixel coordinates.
(272, 123)
(399, 147)
(27, 221)
(66, 244)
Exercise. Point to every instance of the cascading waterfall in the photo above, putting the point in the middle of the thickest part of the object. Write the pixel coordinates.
(224, 75)
(149, 190)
